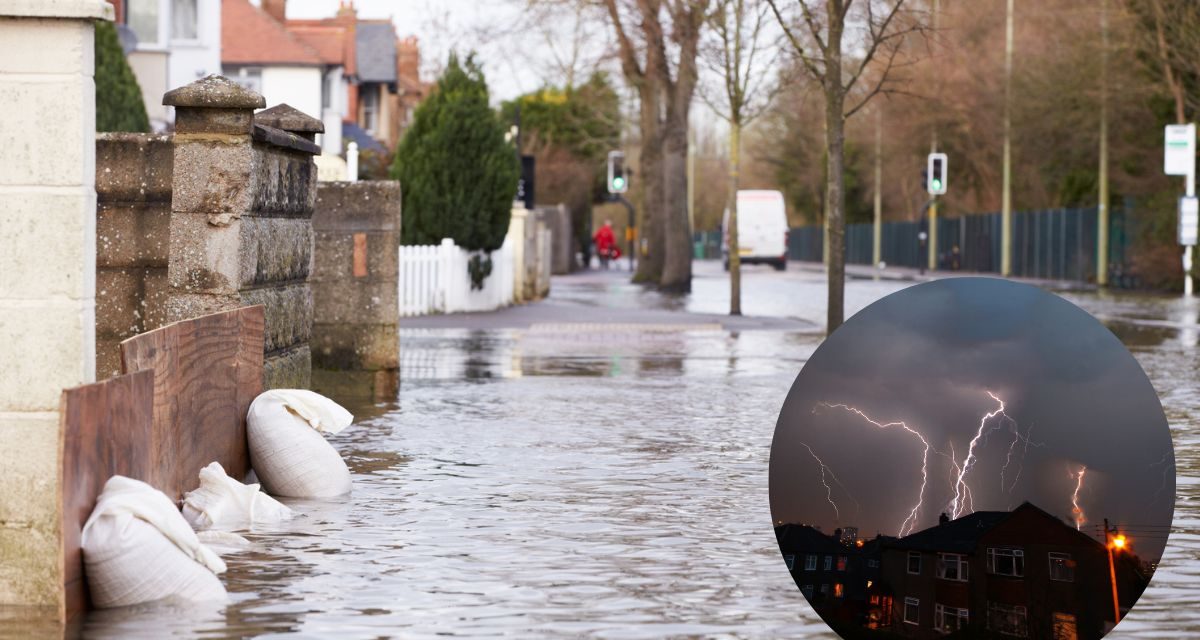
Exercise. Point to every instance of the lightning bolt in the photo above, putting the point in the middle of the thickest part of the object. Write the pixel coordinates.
(828, 489)
(910, 522)
(961, 490)
(1016, 438)
(1162, 487)
(1076, 510)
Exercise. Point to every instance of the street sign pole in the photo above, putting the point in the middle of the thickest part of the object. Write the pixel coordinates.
(1179, 159)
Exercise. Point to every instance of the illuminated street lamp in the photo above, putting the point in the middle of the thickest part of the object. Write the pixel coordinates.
(1117, 542)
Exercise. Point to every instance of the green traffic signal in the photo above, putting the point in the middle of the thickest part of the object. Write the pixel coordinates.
(937, 184)
(618, 182)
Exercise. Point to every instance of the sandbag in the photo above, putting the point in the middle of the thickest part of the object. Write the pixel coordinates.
(288, 450)
(137, 548)
(224, 503)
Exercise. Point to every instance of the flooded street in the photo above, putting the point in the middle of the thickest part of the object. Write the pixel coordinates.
(552, 479)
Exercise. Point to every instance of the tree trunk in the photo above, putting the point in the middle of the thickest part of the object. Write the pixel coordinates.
(677, 236)
(735, 261)
(835, 221)
(650, 265)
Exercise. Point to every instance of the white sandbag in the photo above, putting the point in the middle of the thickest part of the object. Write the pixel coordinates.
(224, 503)
(288, 450)
(138, 548)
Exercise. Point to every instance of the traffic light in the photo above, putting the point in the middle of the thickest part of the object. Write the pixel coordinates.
(936, 174)
(618, 182)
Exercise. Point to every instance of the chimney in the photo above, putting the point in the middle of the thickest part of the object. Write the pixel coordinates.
(408, 59)
(276, 9)
(943, 519)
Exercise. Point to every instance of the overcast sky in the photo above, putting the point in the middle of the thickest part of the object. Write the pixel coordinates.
(928, 355)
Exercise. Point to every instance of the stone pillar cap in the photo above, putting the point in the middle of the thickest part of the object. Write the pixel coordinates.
(289, 118)
(214, 92)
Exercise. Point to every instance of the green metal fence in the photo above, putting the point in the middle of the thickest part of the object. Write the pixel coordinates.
(1054, 244)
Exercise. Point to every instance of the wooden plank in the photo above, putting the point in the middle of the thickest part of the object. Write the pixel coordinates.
(207, 372)
(105, 432)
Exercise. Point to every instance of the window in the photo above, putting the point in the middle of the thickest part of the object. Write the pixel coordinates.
(838, 590)
(952, 566)
(807, 591)
(873, 564)
(948, 619)
(914, 562)
(828, 562)
(841, 565)
(790, 561)
(370, 108)
(142, 17)
(183, 20)
(249, 77)
(1006, 562)
(912, 610)
(810, 562)
(1010, 620)
(824, 590)
(1062, 567)
(1064, 627)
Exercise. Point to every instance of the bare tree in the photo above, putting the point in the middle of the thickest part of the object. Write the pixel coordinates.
(1173, 39)
(816, 37)
(741, 51)
(659, 61)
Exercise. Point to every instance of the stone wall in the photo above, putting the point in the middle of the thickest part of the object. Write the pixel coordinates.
(47, 271)
(241, 233)
(133, 214)
(355, 335)
(558, 220)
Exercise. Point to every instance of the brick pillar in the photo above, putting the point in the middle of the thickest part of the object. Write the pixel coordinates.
(47, 270)
(241, 216)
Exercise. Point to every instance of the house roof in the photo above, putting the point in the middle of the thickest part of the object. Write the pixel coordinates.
(250, 36)
(327, 40)
(801, 538)
(376, 52)
(962, 535)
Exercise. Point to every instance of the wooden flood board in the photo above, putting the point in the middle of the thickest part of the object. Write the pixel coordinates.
(207, 372)
(105, 431)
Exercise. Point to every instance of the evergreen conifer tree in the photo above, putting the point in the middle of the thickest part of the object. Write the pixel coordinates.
(119, 105)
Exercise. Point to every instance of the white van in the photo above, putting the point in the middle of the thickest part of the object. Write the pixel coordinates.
(762, 229)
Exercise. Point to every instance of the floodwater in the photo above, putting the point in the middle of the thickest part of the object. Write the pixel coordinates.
(605, 482)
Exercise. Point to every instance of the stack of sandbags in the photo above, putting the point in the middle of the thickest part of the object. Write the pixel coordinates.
(224, 503)
(286, 431)
(138, 548)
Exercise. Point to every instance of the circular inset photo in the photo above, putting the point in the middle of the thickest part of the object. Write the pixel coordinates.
(972, 457)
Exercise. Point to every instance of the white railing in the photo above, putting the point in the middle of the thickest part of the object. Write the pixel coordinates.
(435, 279)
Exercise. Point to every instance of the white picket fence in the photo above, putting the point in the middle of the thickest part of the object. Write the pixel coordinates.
(435, 279)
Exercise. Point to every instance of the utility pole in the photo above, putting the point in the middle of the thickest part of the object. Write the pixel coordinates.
(933, 204)
(1112, 572)
(691, 178)
(877, 238)
(1006, 198)
(1102, 210)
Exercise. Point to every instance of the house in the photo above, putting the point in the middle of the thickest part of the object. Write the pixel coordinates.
(1021, 573)
(169, 43)
(837, 573)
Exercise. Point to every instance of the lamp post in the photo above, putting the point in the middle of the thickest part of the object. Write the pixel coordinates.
(1111, 542)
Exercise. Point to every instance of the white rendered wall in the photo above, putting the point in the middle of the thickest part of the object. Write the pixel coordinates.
(191, 60)
(299, 87)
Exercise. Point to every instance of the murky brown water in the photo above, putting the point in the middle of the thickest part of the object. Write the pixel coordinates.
(567, 484)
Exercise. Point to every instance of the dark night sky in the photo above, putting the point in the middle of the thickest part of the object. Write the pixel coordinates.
(928, 355)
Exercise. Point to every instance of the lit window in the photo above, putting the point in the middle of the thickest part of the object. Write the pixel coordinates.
(912, 611)
(1008, 619)
(952, 566)
(841, 566)
(1006, 562)
(142, 17)
(828, 562)
(183, 19)
(1064, 627)
(1062, 567)
(838, 590)
(914, 562)
(810, 562)
(949, 619)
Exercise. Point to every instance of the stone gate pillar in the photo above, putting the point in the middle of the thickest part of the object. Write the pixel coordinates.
(47, 270)
(241, 216)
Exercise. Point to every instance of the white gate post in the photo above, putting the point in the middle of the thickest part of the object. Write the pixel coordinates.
(47, 270)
